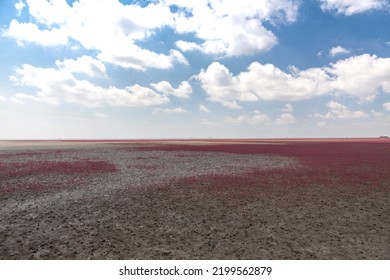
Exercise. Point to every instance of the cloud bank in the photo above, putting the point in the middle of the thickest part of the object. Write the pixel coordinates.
(363, 77)
(352, 7)
(56, 85)
(115, 30)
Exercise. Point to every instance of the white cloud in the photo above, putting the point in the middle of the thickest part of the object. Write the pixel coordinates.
(177, 56)
(362, 76)
(288, 108)
(92, 26)
(203, 108)
(170, 110)
(49, 12)
(184, 90)
(285, 119)
(249, 39)
(109, 27)
(259, 82)
(188, 46)
(218, 83)
(376, 114)
(19, 6)
(12, 99)
(114, 30)
(340, 111)
(231, 28)
(84, 64)
(59, 85)
(338, 50)
(255, 119)
(30, 32)
(129, 55)
(386, 106)
(351, 7)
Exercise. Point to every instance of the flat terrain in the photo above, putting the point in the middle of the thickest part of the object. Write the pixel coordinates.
(195, 199)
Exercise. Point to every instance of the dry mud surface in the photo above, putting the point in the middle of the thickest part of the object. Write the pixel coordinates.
(64, 200)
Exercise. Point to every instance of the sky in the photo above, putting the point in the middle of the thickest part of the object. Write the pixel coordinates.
(115, 69)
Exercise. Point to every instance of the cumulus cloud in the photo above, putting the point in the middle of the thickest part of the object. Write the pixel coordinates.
(252, 38)
(231, 29)
(84, 64)
(218, 83)
(203, 108)
(338, 51)
(19, 6)
(340, 111)
(351, 7)
(56, 85)
(259, 82)
(255, 119)
(114, 29)
(184, 90)
(285, 119)
(30, 32)
(109, 27)
(49, 12)
(386, 106)
(376, 114)
(138, 58)
(288, 108)
(362, 76)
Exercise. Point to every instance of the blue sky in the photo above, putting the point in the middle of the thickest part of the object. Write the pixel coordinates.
(194, 68)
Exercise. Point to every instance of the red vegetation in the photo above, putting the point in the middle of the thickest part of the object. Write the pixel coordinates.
(17, 169)
(360, 165)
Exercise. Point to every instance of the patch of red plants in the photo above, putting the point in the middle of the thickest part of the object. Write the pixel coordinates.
(18, 169)
(358, 165)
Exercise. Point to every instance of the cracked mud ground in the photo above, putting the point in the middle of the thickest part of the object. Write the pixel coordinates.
(149, 207)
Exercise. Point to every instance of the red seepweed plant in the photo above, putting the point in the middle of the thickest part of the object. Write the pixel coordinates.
(357, 165)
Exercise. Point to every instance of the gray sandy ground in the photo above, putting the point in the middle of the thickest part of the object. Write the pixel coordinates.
(143, 210)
